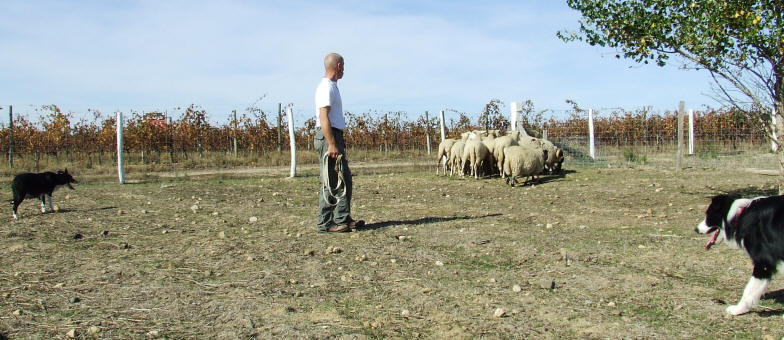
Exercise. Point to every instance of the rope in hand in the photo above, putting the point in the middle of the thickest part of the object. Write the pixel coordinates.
(327, 191)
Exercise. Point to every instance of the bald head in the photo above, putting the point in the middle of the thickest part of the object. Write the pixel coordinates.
(333, 66)
(331, 61)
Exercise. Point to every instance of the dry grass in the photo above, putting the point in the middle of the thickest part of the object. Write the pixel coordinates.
(599, 252)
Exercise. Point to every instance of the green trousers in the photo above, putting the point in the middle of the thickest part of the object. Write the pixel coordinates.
(329, 214)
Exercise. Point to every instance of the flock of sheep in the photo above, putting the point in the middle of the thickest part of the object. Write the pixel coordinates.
(512, 155)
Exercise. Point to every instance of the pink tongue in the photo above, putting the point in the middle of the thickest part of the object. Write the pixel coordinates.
(713, 239)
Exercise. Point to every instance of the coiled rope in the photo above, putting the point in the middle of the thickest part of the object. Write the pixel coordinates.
(328, 193)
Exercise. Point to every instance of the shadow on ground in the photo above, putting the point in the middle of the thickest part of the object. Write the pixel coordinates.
(420, 221)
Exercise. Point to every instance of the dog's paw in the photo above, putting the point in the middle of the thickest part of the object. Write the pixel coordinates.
(737, 309)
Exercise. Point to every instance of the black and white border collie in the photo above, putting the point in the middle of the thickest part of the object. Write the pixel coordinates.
(40, 185)
(755, 225)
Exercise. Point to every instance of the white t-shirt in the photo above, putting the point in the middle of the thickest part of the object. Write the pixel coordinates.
(327, 94)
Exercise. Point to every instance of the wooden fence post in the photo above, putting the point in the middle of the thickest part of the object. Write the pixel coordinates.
(280, 138)
(292, 142)
(679, 156)
(514, 107)
(774, 131)
(691, 131)
(235, 132)
(427, 133)
(443, 129)
(120, 170)
(11, 136)
(591, 145)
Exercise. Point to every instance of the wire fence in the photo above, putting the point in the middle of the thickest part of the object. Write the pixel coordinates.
(155, 140)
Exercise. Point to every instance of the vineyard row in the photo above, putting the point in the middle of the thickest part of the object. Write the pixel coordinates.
(254, 133)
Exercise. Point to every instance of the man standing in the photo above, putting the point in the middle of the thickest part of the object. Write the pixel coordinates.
(334, 206)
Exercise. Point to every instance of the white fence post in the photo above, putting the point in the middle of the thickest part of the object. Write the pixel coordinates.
(120, 169)
(691, 131)
(774, 131)
(292, 142)
(443, 129)
(514, 108)
(591, 147)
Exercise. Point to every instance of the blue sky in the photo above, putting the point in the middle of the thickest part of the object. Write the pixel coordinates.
(400, 56)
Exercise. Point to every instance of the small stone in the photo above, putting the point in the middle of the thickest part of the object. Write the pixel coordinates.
(499, 313)
(611, 304)
(253, 219)
(56, 207)
(547, 284)
(120, 212)
(221, 235)
(214, 213)
(195, 207)
(492, 280)
(152, 334)
(164, 231)
(405, 313)
(517, 288)
(72, 333)
(17, 312)
(309, 252)
(93, 330)
(439, 263)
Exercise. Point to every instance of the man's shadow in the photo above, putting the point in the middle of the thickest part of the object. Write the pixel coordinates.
(419, 221)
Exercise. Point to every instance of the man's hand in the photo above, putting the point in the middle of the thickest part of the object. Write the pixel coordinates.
(332, 151)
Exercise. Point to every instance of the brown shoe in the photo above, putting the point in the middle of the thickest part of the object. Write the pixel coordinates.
(355, 224)
(338, 228)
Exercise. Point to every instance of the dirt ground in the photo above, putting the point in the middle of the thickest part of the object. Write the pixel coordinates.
(599, 252)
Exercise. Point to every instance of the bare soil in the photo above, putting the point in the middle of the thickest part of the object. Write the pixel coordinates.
(598, 252)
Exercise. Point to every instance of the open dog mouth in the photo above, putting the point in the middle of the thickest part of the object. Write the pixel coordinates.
(713, 238)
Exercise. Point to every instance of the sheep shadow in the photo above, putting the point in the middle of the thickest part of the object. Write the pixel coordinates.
(419, 221)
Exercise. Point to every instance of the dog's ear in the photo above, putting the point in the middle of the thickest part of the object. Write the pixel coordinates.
(66, 171)
(716, 212)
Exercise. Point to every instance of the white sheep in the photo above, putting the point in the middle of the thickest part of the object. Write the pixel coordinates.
(520, 161)
(489, 142)
(476, 154)
(530, 142)
(444, 149)
(555, 156)
(455, 158)
(498, 151)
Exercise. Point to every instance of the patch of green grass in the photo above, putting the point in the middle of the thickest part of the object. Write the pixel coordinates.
(633, 155)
